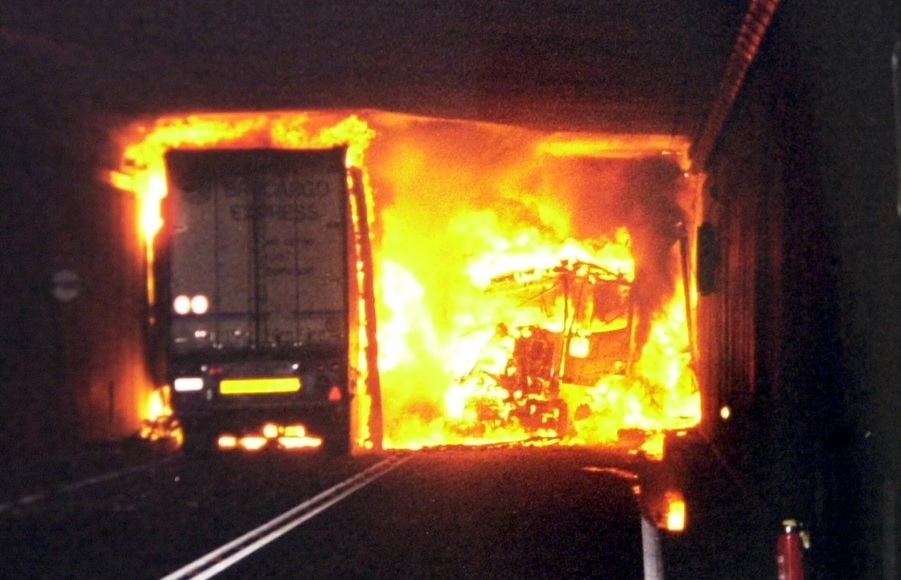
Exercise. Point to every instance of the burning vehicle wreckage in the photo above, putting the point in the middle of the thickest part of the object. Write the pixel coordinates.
(529, 325)
(565, 363)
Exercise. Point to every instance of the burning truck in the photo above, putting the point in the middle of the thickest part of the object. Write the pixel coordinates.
(528, 372)
(257, 295)
(576, 354)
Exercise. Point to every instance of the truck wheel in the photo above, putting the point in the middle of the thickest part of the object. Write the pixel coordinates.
(198, 442)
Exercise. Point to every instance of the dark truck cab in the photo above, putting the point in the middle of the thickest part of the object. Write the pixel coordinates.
(254, 269)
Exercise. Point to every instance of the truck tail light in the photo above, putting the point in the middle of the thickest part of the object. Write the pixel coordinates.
(200, 304)
(187, 384)
(184, 304)
(335, 394)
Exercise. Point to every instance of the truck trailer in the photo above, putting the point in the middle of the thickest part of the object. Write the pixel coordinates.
(254, 268)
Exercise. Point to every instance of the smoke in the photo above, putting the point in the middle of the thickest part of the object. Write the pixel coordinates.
(645, 196)
(649, 205)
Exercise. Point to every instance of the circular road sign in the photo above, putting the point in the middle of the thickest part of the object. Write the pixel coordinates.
(66, 285)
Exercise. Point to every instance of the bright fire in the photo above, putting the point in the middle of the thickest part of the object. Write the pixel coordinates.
(492, 241)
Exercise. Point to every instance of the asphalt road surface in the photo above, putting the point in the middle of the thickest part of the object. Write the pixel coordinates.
(522, 512)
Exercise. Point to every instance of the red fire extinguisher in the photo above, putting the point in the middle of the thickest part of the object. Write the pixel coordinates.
(790, 544)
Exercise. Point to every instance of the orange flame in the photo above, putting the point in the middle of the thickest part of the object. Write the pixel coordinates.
(454, 204)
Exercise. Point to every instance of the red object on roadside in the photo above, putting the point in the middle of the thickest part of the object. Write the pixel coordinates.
(789, 552)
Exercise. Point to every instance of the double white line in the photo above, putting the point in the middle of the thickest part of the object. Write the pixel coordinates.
(239, 548)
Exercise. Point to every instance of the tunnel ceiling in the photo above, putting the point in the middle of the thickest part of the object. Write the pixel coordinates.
(616, 66)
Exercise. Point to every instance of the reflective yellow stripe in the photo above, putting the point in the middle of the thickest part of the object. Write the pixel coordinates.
(259, 386)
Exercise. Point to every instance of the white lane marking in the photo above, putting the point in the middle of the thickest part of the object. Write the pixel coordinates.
(650, 549)
(652, 557)
(228, 554)
(69, 488)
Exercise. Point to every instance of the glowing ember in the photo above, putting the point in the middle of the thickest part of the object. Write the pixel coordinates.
(271, 435)
(488, 239)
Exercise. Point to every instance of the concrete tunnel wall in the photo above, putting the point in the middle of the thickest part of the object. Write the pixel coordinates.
(70, 371)
(801, 334)
(103, 336)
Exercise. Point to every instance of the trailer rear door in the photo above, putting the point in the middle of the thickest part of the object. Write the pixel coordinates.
(258, 256)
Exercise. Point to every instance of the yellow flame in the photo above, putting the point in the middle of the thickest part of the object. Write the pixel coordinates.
(157, 404)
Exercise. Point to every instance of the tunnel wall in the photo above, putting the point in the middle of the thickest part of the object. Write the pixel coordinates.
(70, 372)
(102, 330)
(802, 333)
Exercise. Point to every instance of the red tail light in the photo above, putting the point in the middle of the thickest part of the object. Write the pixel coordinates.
(335, 394)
